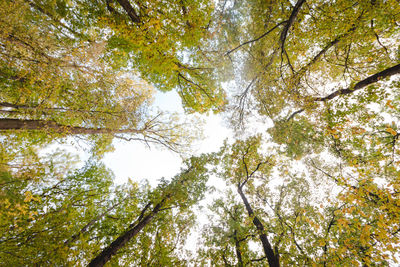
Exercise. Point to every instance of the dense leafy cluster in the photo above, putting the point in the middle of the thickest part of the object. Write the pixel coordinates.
(320, 187)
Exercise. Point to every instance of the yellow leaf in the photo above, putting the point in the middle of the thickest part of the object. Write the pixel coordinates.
(390, 130)
(357, 130)
(389, 104)
(28, 196)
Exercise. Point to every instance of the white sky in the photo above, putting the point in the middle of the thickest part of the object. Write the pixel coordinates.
(136, 161)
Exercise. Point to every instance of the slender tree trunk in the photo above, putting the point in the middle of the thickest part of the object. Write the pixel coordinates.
(121, 241)
(273, 259)
(19, 124)
(237, 248)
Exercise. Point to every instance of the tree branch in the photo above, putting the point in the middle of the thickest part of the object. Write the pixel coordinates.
(290, 22)
(86, 227)
(130, 10)
(360, 85)
(325, 49)
(257, 39)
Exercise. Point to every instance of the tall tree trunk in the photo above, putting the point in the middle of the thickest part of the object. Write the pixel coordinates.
(19, 124)
(15, 107)
(273, 259)
(121, 241)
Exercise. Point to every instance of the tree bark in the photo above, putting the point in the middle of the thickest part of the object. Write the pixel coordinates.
(16, 107)
(290, 22)
(20, 124)
(130, 10)
(272, 258)
(237, 249)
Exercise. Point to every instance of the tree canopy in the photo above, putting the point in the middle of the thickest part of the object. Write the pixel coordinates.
(319, 187)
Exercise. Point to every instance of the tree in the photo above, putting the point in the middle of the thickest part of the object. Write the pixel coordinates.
(319, 216)
(156, 40)
(327, 75)
(161, 38)
(58, 85)
(280, 51)
(182, 192)
(241, 167)
(83, 68)
(227, 239)
(44, 217)
(69, 218)
(321, 188)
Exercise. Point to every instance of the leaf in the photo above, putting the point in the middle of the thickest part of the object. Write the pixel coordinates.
(389, 104)
(28, 196)
(391, 131)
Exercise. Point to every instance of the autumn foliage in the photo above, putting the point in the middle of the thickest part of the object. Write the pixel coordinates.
(318, 186)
